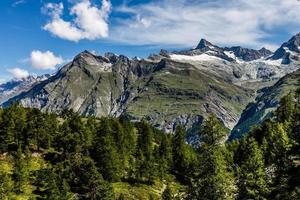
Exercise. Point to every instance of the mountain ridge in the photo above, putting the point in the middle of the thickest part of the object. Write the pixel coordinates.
(168, 89)
(17, 86)
(287, 50)
(265, 104)
(204, 46)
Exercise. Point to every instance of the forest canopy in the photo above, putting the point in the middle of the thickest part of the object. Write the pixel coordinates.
(67, 156)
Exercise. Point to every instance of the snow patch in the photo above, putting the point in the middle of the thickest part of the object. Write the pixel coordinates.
(287, 50)
(230, 54)
(273, 62)
(202, 57)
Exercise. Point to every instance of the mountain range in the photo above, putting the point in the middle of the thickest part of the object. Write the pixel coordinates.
(240, 85)
(17, 86)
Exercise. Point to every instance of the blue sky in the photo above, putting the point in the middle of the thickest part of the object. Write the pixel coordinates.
(37, 36)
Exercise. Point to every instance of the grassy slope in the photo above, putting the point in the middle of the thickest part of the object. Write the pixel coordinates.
(144, 192)
(130, 191)
(180, 89)
(7, 166)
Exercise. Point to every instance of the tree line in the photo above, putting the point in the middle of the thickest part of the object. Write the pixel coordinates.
(83, 156)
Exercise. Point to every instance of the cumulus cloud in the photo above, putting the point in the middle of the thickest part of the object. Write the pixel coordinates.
(225, 22)
(44, 60)
(18, 73)
(89, 22)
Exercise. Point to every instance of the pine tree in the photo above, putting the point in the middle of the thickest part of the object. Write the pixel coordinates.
(295, 124)
(251, 174)
(212, 178)
(52, 189)
(277, 145)
(21, 171)
(285, 110)
(49, 130)
(84, 179)
(20, 136)
(49, 186)
(164, 155)
(34, 128)
(145, 150)
(119, 137)
(213, 133)
(180, 154)
(10, 129)
(104, 152)
(3, 135)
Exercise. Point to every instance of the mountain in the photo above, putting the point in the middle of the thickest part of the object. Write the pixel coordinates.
(251, 68)
(17, 86)
(289, 51)
(205, 44)
(230, 54)
(262, 108)
(246, 54)
(166, 93)
(181, 87)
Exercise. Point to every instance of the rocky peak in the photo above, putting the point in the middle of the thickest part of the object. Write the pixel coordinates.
(240, 52)
(89, 58)
(123, 58)
(288, 51)
(294, 43)
(111, 56)
(265, 52)
(164, 53)
(204, 44)
(248, 54)
(84, 54)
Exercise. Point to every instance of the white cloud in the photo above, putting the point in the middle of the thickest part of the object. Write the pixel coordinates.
(18, 73)
(224, 22)
(44, 60)
(89, 22)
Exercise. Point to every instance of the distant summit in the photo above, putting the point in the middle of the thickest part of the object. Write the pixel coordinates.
(288, 51)
(16, 86)
(204, 44)
(249, 54)
(230, 54)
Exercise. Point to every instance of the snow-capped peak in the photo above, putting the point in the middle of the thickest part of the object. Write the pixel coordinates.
(17, 86)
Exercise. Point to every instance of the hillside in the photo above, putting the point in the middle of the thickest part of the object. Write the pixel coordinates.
(255, 113)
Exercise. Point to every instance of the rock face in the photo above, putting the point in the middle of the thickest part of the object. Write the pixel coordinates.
(261, 109)
(206, 44)
(289, 51)
(168, 89)
(17, 86)
(249, 54)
